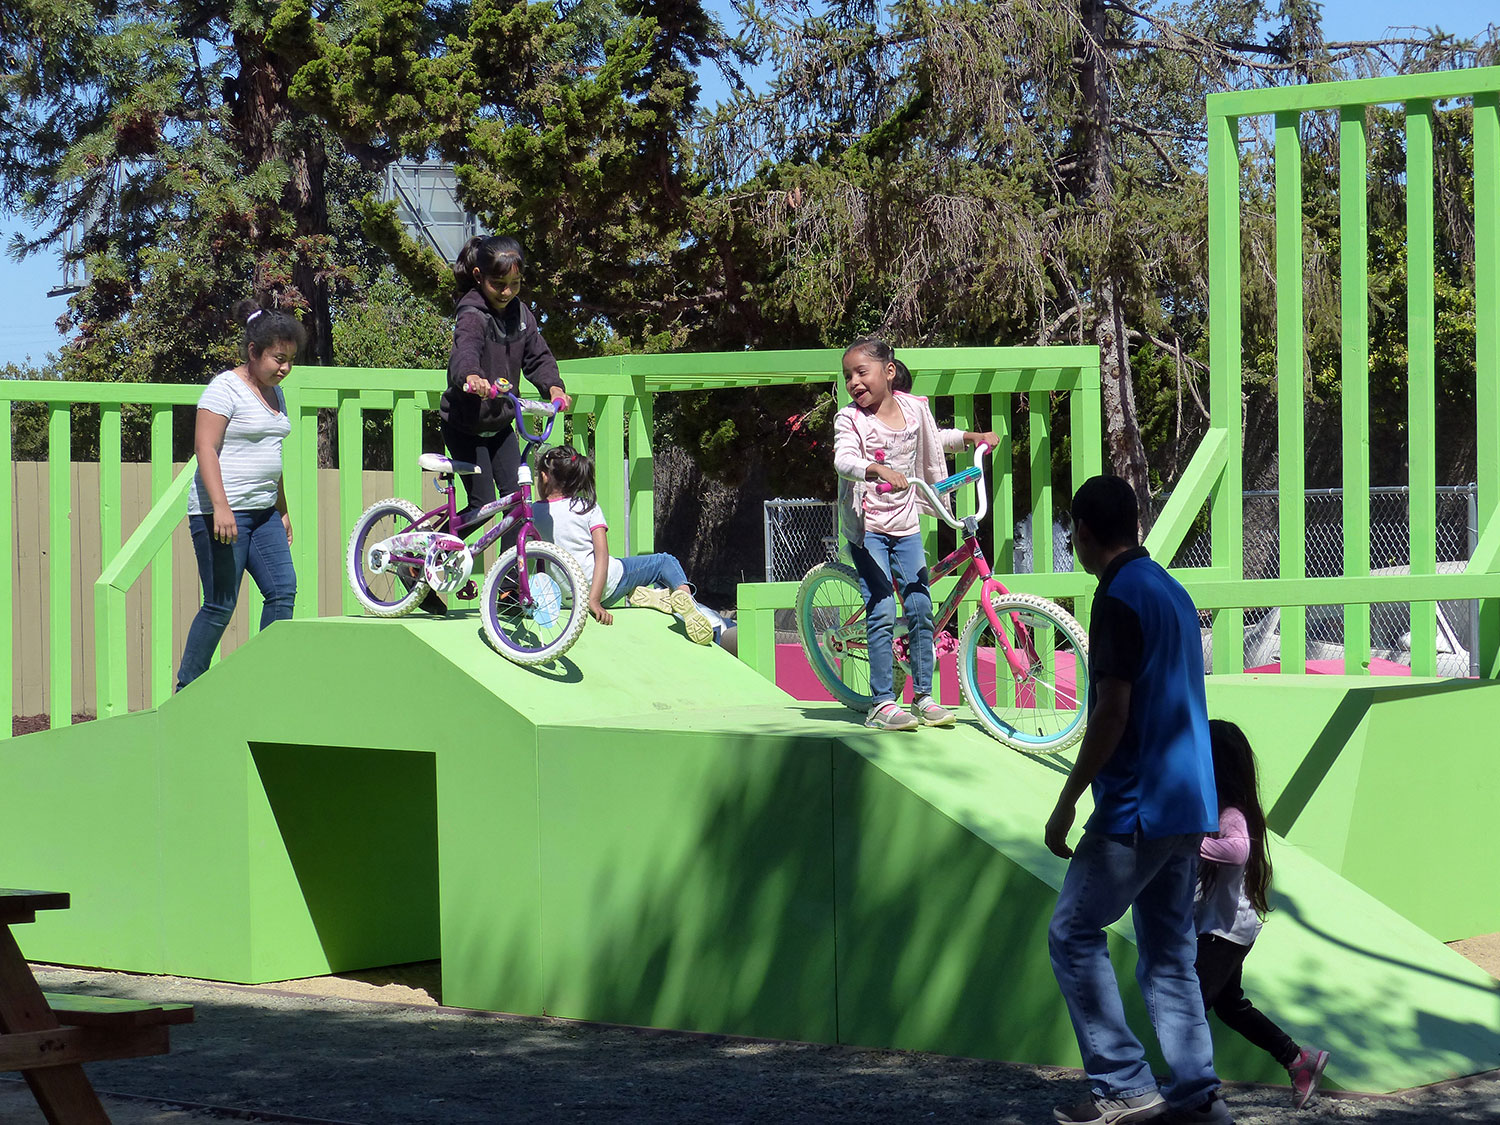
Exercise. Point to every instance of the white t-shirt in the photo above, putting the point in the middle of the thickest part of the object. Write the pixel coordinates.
(560, 522)
(250, 458)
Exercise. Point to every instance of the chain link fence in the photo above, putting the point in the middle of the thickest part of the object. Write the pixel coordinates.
(1390, 553)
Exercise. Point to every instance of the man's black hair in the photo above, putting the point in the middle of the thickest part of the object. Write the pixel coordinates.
(1107, 504)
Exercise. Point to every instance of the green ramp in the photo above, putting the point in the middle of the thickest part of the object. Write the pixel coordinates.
(648, 833)
(1392, 783)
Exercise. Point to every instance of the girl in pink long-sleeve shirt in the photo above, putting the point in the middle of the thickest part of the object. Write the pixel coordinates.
(885, 437)
(1234, 877)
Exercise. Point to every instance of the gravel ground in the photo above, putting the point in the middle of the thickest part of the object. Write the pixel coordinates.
(382, 1052)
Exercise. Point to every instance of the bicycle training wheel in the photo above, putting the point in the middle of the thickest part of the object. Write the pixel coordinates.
(398, 587)
(542, 627)
(831, 625)
(1037, 704)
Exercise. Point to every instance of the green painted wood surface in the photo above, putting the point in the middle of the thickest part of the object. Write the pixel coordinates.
(1354, 383)
(1487, 343)
(7, 563)
(1421, 374)
(163, 666)
(1291, 441)
(60, 563)
(1224, 362)
(683, 845)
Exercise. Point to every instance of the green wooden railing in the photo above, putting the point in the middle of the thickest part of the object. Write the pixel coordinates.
(1216, 474)
(611, 417)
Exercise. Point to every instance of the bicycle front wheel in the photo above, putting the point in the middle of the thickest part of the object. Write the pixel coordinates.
(395, 588)
(831, 625)
(1033, 697)
(542, 626)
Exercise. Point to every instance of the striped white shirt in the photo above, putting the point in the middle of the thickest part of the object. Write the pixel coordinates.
(250, 456)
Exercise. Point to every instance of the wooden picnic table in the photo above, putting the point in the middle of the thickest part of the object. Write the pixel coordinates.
(48, 1036)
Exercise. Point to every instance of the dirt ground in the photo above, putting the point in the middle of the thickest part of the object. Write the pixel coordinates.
(376, 1048)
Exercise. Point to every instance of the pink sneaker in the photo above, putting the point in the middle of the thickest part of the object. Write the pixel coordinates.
(1306, 1071)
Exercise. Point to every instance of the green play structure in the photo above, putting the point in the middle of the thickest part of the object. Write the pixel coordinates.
(651, 832)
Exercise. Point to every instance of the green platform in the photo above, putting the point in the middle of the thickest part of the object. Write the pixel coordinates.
(653, 834)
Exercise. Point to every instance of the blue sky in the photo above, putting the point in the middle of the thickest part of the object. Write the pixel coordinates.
(27, 314)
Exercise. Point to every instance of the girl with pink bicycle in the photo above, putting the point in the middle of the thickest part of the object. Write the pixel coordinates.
(1021, 660)
(883, 438)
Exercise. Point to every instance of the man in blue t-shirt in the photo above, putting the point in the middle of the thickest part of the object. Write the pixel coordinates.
(1146, 757)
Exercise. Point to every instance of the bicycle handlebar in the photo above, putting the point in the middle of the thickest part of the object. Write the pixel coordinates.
(936, 501)
(525, 407)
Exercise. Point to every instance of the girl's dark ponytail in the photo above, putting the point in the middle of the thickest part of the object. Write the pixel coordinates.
(493, 255)
(572, 474)
(266, 327)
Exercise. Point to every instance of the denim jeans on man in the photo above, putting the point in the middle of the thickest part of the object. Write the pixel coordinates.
(648, 570)
(261, 549)
(879, 561)
(1107, 875)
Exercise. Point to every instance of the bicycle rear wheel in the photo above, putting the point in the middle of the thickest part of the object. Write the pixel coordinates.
(395, 589)
(831, 625)
(1042, 707)
(542, 627)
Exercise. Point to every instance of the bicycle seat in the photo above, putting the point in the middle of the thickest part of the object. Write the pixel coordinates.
(437, 463)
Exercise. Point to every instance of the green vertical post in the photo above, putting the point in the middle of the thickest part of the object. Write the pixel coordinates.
(351, 443)
(1487, 343)
(1088, 451)
(1421, 332)
(163, 667)
(965, 501)
(60, 555)
(1003, 487)
(299, 476)
(609, 467)
(1225, 374)
(110, 667)
(1040, 426)
(1291, 443)
(406, 446)
(1354, 380)
(7, 568)
(642, 471)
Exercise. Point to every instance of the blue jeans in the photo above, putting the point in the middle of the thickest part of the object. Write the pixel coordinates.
(878, 561)
(648, 570)
(262, 549)
(1154, 879)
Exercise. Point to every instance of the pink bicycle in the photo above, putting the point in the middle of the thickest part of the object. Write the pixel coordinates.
(1022, 660)
(534, 602)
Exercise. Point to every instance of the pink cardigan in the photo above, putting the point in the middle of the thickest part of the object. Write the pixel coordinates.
(853, 429)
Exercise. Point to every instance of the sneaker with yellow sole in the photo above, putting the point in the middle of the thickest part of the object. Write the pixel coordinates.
(651, 597)
(700, 629)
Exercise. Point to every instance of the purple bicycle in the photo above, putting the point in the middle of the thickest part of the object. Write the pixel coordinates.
(534, 601)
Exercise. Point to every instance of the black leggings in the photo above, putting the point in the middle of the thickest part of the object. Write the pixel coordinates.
(499, 459)
(1220, 962)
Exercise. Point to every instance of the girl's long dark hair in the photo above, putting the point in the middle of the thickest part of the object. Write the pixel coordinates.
(266, 327)
(493, 255)
(1238, 785)
(572, 474)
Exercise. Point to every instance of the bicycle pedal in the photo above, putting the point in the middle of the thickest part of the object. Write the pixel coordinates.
(469, 592)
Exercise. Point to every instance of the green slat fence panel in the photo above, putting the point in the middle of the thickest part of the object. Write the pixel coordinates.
(1354, 238)
(1224, 298)
(7, 567)
(59, 569)
(110, 668)
(1291, 443)
(163, 656)
(1487, 341)
(1421, 375)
